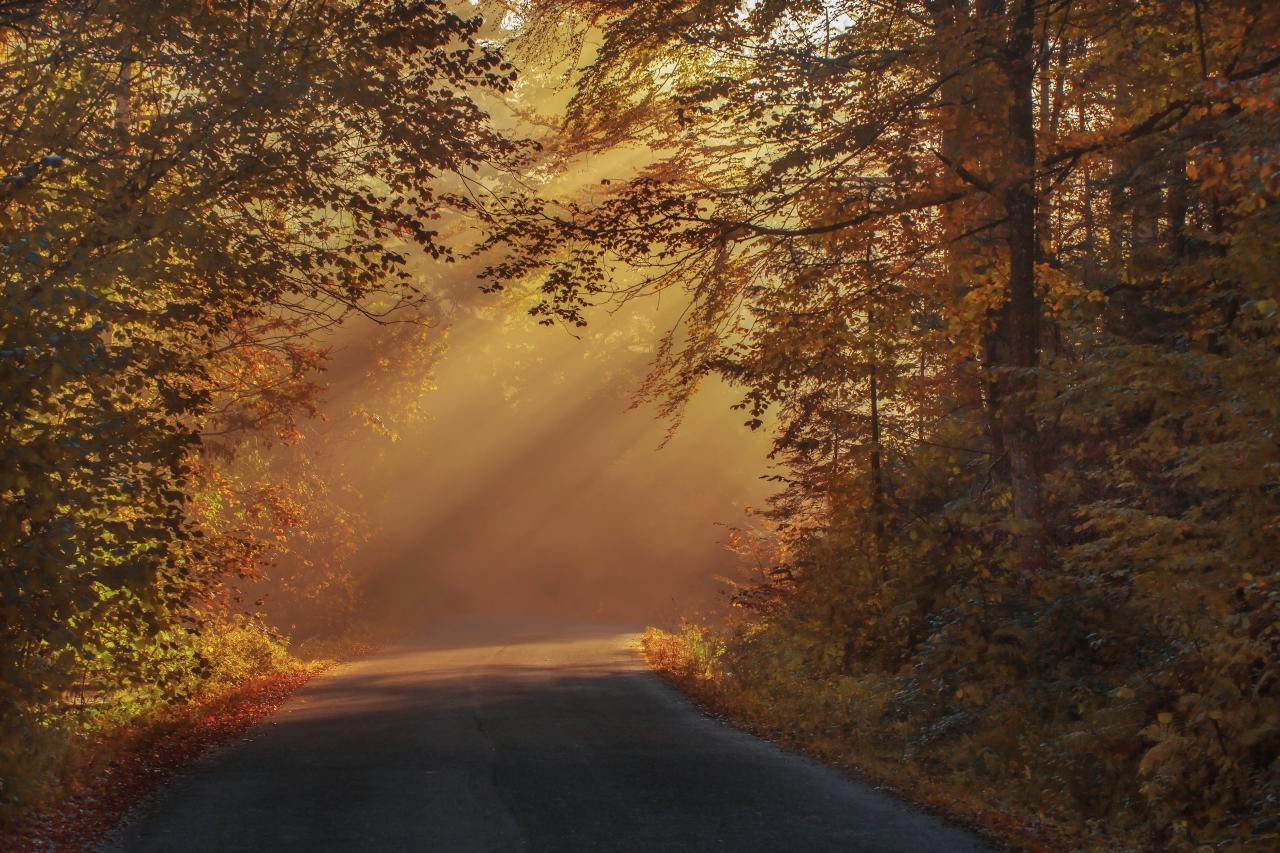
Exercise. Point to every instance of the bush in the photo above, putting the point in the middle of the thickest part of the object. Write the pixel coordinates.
(60, 743)
(235, 652)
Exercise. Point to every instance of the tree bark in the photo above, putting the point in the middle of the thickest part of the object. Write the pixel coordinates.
(876, 464)
(1017, 344)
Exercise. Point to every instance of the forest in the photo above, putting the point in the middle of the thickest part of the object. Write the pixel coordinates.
(984, 294)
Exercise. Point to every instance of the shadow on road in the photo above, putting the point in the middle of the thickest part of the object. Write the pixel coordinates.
(546, 743)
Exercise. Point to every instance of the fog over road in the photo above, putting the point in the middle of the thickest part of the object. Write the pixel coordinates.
(515, 737)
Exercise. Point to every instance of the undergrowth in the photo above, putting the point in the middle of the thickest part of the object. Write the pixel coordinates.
(228, 676)
(1035, 777)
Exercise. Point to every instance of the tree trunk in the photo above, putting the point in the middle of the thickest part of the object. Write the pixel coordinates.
(1017, 345)
(876, 466)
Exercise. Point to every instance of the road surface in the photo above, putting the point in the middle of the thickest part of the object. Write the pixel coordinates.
(502, 738)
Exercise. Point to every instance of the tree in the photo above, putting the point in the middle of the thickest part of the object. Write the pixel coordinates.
(189, 188)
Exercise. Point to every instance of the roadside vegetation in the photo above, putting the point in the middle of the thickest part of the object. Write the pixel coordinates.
(100, 753)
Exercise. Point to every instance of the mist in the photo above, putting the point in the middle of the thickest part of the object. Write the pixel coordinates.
(526, 481)
(531, 486)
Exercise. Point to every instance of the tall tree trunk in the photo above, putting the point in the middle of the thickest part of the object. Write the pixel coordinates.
(124, 96)
(953, 21)
(1091, 261)
(875, 467)
(1176, 210)
(1017, 345)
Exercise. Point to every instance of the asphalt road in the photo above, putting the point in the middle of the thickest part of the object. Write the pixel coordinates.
(514, 738)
